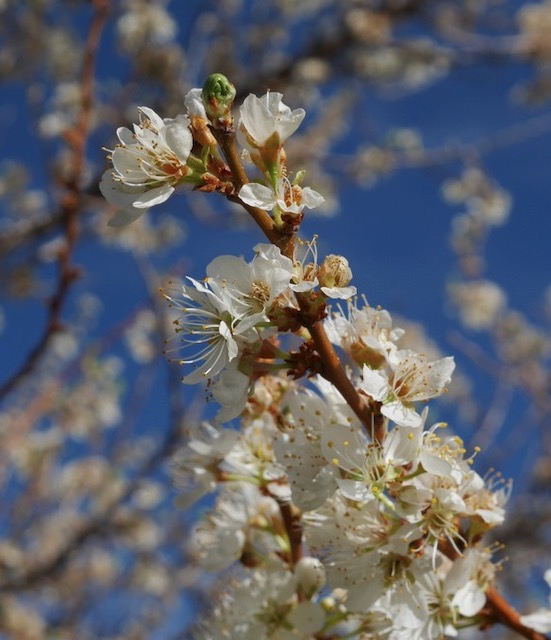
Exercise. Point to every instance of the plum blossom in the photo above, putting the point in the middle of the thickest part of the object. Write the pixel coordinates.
(334, 275)
(194, 465)
(264, 605)
(298, 448)
(231, 390)
(262, 118)
(366, 334)
(210, 323)
(239, 519)
(147, 164)
(227, 313)
(411, 378)
(287, 197)
(370, 467)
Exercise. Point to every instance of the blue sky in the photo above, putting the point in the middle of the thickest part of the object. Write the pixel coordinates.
(395, 234)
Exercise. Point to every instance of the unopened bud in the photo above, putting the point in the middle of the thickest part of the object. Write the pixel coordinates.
(218, 95)
(310, 574)
(334, 272)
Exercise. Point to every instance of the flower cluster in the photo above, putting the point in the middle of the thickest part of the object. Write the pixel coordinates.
(396, 524)
(340, 510)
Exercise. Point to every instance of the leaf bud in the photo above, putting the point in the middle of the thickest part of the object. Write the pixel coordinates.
(218, 95)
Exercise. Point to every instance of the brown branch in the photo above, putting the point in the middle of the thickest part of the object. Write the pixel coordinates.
(70, 202)
(226, 140)
(333, 370)
(291, 521)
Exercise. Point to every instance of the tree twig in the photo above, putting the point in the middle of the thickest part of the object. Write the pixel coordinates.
(70, 202)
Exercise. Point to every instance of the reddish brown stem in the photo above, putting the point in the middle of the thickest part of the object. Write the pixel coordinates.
(506, 615)
(333, 372)
(226, 140)
(293, 527)
(332, 368)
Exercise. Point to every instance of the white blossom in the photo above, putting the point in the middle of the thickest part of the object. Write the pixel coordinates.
(147, 164)
(195, 465)
(261, 118)
(366, 334)
(287, 197)
(242, 517)
(411, 378)
(227, 313)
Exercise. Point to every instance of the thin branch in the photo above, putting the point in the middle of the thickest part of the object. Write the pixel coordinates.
(70, 203)
(333, 370)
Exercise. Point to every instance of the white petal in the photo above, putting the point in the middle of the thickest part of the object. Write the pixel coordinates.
(470, 599)
(256, 119)
(435, 465)
(155, 119)
(401, 415)
(257, 195)
(231, 344)
(307, 618)
(124, 217)
(194, 103)
(375, 384)
(116, 193)
(540, 621)
(311, 198)
(290, 123)
(178, 138)
(126, 136)
(232, 269)
(339, 292)
(153, 197)
(129, 166)
(353, 490)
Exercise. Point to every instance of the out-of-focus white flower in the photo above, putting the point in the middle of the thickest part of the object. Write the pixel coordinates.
(479, 302)
(231, 390)
(147, 164)
(242, 516)
(540, 620)
(195, 465)
(263, 606)
(411, 378)
(145, 22)
(253, 457)
(267, 117)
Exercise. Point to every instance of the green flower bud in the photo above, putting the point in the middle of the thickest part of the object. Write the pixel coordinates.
(218, 95)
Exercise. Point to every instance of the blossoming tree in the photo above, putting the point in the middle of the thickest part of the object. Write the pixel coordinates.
(318, 492)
